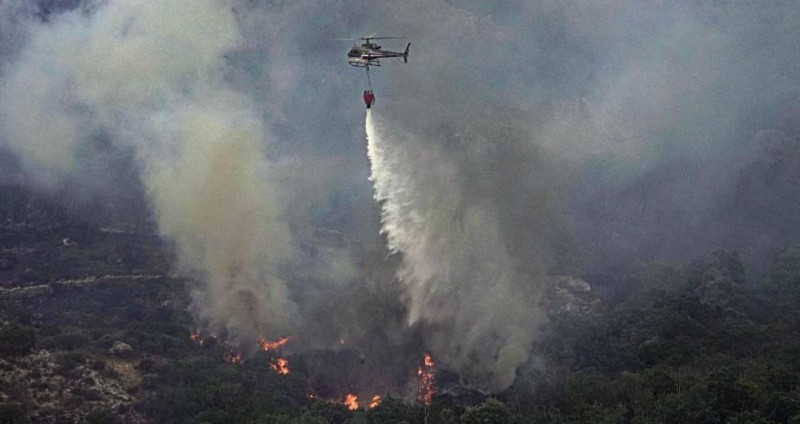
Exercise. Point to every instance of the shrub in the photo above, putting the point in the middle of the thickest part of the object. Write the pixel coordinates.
(71, 341)
(16, 340)
(491, 411)
(86, 393)
(68, 361)
(98, 364)
(13, 413)
(75, 401)
(49, 330)
(102, 416)
(146, 365)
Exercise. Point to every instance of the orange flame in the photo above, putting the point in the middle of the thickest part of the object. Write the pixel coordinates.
(280, 365)
(232, 358)
(267, 345)
(376, 400)
(351, 401)
(425, 376)
(196, 338)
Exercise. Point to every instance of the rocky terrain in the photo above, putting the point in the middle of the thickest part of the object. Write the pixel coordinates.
(70, 292)
(66, 388)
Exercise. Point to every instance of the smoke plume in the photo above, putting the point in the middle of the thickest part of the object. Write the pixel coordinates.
(151, 76)
(521, 139)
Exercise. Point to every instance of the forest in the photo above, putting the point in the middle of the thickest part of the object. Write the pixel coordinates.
(709, 341)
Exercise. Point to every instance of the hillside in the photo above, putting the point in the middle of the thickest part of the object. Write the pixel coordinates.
(95, 330)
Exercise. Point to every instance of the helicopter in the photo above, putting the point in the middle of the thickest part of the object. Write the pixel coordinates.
(369, 54)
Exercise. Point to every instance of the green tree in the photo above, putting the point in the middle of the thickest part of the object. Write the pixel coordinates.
(694, 405)
(13, 413)
(492, 411)
(332, 412)
(747, 417)
(391, 411)
(16, 340)
(731, 393)
(102, 416)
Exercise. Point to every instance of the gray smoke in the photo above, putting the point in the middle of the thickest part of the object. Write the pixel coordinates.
(152, 77)
(528, 137)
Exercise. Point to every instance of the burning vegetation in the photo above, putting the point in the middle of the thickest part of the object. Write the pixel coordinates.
(351, 401)
(232, 357)
(200, 337)
(267, 345)
(280, 365)
(196, 338)
(376, 400)
(425, 376)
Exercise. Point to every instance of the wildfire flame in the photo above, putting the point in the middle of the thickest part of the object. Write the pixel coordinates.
(267, 345)
(196, 338)
(280, 365)
(351, 401)
(232, 358)
(425, 376)
(376, 400)
(200, 336)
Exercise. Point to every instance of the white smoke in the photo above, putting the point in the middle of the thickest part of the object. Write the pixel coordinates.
(151, 75)
(479, 315)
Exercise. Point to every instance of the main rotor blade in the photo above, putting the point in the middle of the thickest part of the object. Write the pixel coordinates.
(379, 38)
(369, 37)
